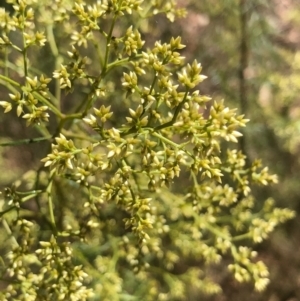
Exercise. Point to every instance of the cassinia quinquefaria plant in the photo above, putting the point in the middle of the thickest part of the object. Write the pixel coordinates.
(134, 199)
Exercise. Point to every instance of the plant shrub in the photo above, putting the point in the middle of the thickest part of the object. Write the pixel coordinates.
(137, 195)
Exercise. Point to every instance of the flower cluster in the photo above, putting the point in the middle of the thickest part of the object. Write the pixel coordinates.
(134, 198)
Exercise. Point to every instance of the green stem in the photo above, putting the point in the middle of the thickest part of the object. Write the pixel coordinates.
(168, 141)
(73, 116)
(107, 48)
(6, 210)
(176, 113)
(10, 81)
(31, 192)
(241, 237)
(8, 230)
(98, 51)
(49, 104)
(117, 63)
(58, 60)
(25, 141)
(24, 54)
(80, 137)
(28, 197)
(9, 65)
(24, 50)
(9, 87)
(91, 95)
(216, 231)
(51, 40)
(121, 62)
(147, 105)
(42, 129)
(50, 201)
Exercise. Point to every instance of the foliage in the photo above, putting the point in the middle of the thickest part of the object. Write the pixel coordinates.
(134, 198)
(271, 92)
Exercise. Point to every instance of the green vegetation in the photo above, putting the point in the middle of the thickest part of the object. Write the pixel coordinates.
(140, 189)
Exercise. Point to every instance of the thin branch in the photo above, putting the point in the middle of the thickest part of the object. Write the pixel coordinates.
(177, 111)
(50, 201)
(25, 141)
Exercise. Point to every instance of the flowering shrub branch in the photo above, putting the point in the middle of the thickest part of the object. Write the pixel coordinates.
(134, 183)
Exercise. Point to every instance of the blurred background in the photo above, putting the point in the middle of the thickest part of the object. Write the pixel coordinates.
(250, 51)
